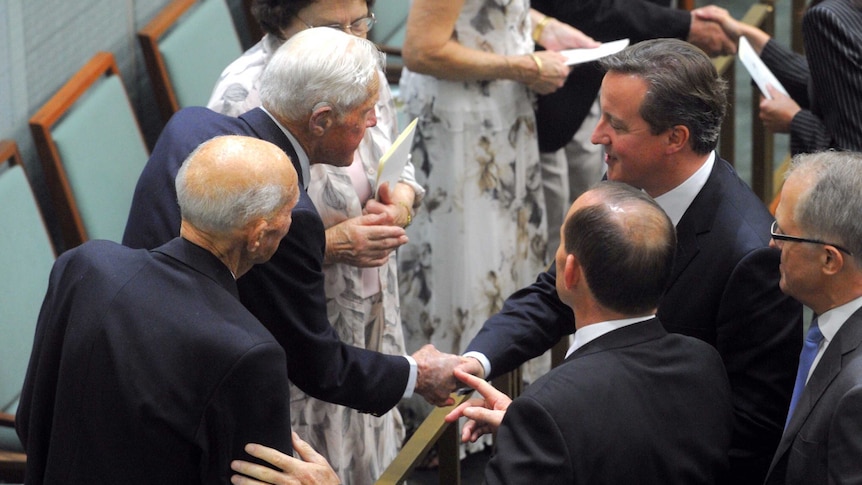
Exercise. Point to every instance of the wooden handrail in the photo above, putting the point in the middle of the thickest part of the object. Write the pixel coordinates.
(429, 432)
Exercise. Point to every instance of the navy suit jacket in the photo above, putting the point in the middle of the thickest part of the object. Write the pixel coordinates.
(827, 81)
(723, 290)
(286, 294)
(560, 114)
(147, 369)
(823, 440)
(636, 405)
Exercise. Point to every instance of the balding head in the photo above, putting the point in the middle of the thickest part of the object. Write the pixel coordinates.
(231, 181)
(624, 244)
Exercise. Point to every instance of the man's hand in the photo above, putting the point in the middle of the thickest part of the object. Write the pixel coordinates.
(485, 414)
(778, 112)
(311, 469)
(436, 379)
(710, 35)
(365, 241)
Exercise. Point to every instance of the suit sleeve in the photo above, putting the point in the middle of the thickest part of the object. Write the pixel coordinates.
(759, 336)
(532, 321)
(845, 442)
(530, 448)
(607, 20)
(251, 405)
(287, 296)
(835, 60)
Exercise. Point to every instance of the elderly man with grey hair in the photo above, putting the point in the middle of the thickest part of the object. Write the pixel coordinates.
(819, 232)
(318, 96)
(146, 368)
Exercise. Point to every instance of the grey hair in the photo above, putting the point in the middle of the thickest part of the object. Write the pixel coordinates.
(319, 65)
(221, 209)
(683, 88)
(830, 207)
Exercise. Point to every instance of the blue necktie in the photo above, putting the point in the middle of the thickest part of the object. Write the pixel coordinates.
(806, 358)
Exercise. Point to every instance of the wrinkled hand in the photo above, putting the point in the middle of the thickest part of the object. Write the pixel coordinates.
(553, 73)
(310, 469)
(714, 31)
(557, 36)
(365, 241)
(778, 112)
(485, 414)
(436, 379)
(395, 202)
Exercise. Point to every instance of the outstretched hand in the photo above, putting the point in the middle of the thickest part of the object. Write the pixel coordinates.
(309, 469)
(365, 241)
(436, 380)
(485, 414)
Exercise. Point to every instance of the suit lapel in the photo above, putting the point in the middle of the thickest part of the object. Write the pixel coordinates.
(266, 129)
(697, 219)
(848, 339)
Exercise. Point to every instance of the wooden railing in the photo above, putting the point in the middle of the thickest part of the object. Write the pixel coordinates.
(434, 430)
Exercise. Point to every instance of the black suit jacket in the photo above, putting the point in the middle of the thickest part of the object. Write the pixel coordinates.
(286, 294)
(636, 405)
(147, 369)
(823, 440)
(560, 114)
(724, 291)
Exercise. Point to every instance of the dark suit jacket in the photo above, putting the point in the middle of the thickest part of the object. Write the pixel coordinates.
(147, 369)
(636, 405)
(827, 81)
(723, 290)
(823, 441)
(286, 294)
(560, 114)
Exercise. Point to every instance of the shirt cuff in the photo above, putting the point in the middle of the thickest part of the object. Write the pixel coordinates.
(411, 380)
(486, 364)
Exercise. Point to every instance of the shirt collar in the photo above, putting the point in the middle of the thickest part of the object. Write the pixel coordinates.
(676, 201)
(588, 333)
(831, 321)
(304, 163)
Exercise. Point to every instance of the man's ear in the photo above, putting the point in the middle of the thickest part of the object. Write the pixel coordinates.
(254, 235)
(677, 138)
(321, 119)
(572, 271)
(832, 260)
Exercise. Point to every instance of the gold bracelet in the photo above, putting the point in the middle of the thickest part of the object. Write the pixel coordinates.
(540, 27)
(409, 214)
(538, 63)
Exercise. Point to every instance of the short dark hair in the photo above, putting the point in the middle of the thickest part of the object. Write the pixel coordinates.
(276, 15)
(626, 255)
(683, 88)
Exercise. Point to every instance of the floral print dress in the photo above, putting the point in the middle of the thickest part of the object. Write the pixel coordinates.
(481, 232)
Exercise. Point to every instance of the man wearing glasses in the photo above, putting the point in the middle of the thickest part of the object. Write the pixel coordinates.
(819, 233)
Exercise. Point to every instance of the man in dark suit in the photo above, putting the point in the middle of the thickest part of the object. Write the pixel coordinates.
(146, 368)
(318, 95)
(819, 233)
(632, 403)
(662, 106)
(566, 117)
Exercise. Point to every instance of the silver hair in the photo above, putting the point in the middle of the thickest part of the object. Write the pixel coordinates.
(223, 209)
(319, 65)
(830, 207)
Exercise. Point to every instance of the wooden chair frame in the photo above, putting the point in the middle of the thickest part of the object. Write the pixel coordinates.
(71, 224)
(149, 38)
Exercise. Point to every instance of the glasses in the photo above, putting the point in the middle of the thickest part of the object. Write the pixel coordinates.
(357, 27)
(784, 237)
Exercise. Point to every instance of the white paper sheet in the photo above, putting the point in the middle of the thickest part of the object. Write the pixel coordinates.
(392, 162)
(579, 56)
(757, 69)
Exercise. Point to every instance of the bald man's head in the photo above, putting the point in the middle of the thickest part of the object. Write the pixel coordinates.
(231, 181)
